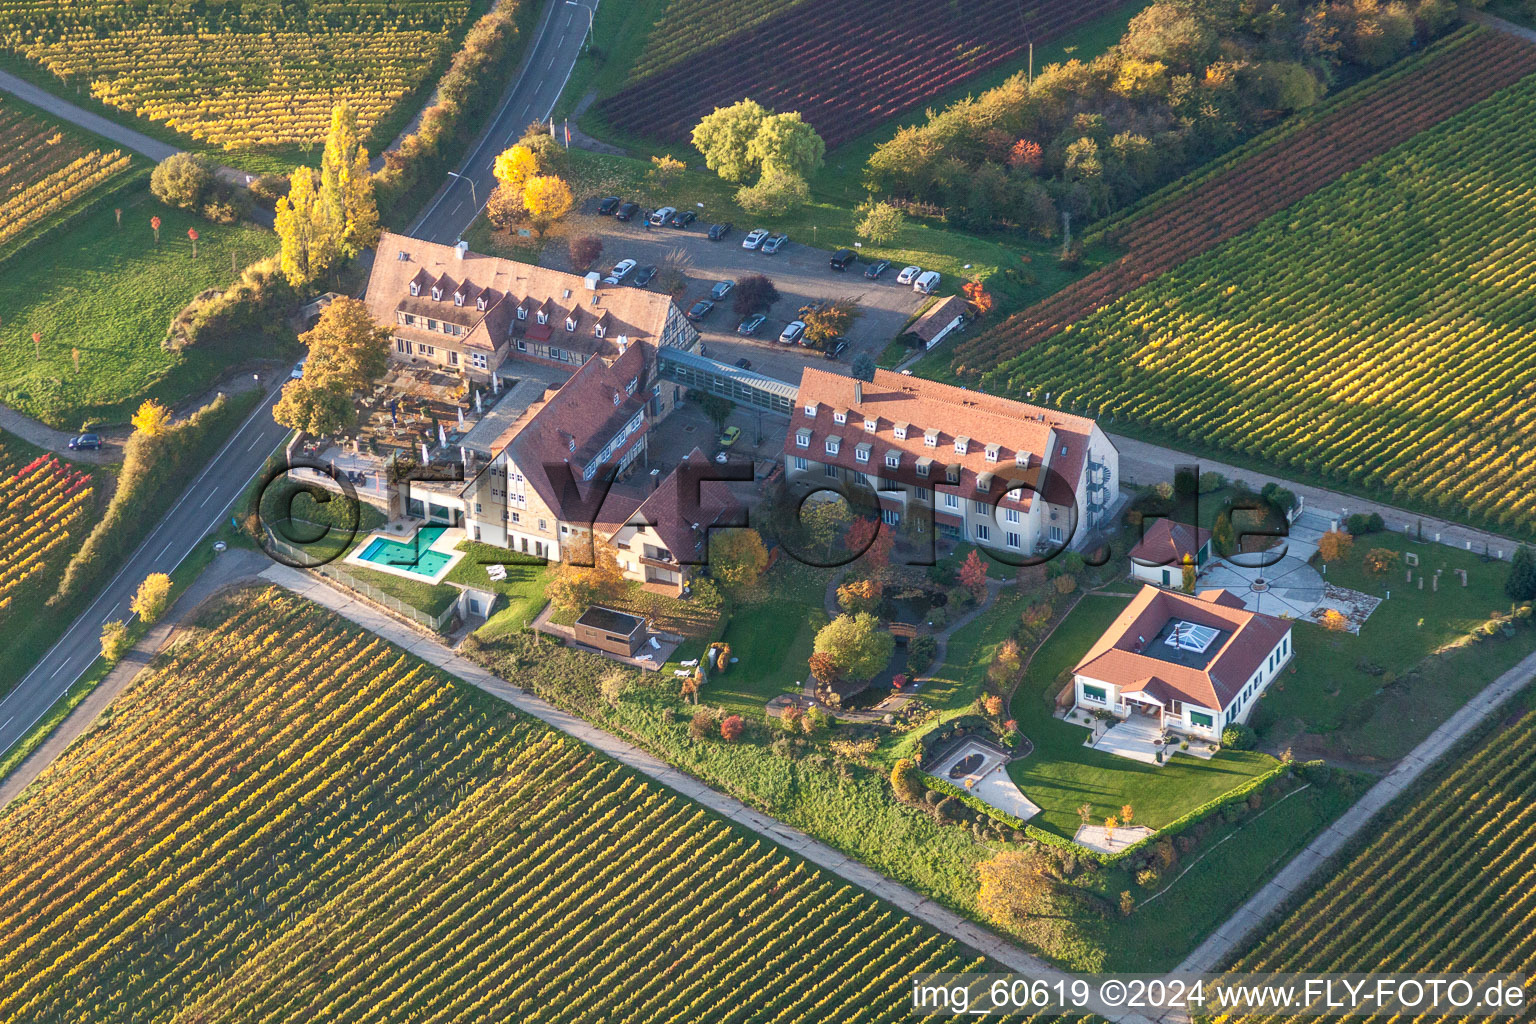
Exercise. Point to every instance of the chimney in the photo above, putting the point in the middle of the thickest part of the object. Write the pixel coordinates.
(460, 248)
(858, 391)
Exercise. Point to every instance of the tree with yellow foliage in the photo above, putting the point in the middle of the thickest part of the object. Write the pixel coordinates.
(150, 600)
(151, 419)
(547, 199)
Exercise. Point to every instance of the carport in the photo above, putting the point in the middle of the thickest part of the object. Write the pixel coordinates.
(744, 387)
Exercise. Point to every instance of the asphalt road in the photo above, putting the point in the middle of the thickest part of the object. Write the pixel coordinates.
(206, 502)
(546, 67)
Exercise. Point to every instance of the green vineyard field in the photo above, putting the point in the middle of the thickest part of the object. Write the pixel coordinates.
(244, 75)
(1441, 887)
(290, 819)
(1380, 332)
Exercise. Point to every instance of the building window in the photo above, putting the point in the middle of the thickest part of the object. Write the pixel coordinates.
(982, 533)
(799, 463)
(1200, 719)
(1097, 694)
(1013, 540)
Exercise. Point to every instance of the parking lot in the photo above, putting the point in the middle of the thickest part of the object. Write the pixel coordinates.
(799, 272)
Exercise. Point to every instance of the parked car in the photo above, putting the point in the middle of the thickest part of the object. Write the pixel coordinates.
(842, 258)
(700, 309)
(730, 437)
(85, 443)
(926, 282)
(626, 211)
(774, 244)
(608, 206)
(751, 324)
(835, 349)
(745, 364)
(660, 217)
(619, 272)
(876, 268)
(721, 289)
(683, 218)
(755, 238)
(643, 276)
(908, 275)
(297, 373)
(718, 231)
(792, 333)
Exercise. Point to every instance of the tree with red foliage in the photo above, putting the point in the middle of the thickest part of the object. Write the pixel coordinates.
(731, 728)
(1026, 156)
(973, 575)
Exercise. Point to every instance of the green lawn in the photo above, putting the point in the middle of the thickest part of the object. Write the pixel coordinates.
(1373, 696)
(1062, 774)
(109, 293)
(522, 592)
(771, 638)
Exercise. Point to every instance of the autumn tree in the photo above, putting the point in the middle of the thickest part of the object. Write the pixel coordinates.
(572, 588)
(828, 320)
(1334, 545)
(585, 250)
(114, 641)
(881, 222)
(150, 600)
(905, 782)
(737, 559)
(1015, 886)
(973, 575)
(151, 418)
(725, 136)
(346, 199)
(547, 199)
(859, 647)
(753, 293)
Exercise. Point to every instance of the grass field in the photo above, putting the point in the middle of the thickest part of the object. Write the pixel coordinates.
(1437, 885)
(108, 293)
(300, 802)
(48, 169)
(242, 78)
(1376, 333)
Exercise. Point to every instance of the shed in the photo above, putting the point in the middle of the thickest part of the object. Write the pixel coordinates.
(608, 630)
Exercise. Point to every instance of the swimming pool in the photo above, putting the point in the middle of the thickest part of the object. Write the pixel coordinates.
(409, 556)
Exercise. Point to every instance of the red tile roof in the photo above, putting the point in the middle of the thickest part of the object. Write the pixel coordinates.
(1167, 542)
(1117, 657)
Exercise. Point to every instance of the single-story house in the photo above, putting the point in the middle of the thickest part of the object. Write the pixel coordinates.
(936, 324)
(1194, 663)
(1159, 557)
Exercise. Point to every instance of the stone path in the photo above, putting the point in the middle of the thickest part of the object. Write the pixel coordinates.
(231, 567)
(431, 650)
(1299, 874)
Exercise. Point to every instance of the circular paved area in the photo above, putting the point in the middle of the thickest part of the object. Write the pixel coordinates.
(1289, 587)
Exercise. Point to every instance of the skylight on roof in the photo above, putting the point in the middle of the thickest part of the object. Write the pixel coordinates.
(1191, 636)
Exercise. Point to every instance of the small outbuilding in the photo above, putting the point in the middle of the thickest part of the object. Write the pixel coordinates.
(608, 630)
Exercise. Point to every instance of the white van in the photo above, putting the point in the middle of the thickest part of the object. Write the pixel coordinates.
(926, 282)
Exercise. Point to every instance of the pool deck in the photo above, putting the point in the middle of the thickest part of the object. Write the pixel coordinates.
(444, 544)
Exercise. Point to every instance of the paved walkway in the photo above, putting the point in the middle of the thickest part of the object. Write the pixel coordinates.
(1299, 874)
(431, 650)
(230, 567)
(1145, 463)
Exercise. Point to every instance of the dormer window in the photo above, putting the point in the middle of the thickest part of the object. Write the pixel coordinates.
(901, 431)
(599, 330)
(437, 293)
(962, 445)
(870, 424)
(930, 439)
(570, 323)
(458, 298)
(840, 417)
(522, 312)
(543, 317)
(992, 452)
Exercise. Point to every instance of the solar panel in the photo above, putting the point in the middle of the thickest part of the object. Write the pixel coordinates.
(1190, 636)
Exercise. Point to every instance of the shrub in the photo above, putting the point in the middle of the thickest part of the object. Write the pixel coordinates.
(1237, 736)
